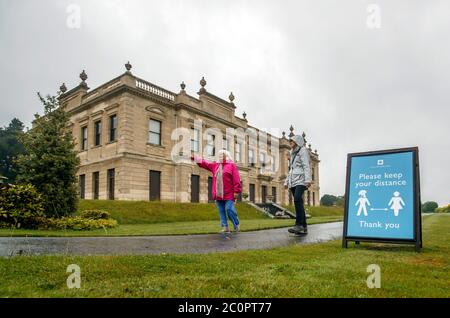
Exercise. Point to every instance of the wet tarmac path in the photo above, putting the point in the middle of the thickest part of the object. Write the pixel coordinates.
(183, 244)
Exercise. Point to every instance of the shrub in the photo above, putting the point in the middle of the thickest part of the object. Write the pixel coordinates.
(20, 205)
(95, 214)
(444, 209)
(328, 200)
(75, 223)
(429, 206)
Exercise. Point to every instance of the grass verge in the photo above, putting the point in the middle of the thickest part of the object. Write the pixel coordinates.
(171, 228)
(317, 270)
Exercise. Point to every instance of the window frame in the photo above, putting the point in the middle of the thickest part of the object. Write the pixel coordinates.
(211, 145)
(153, 133)
(111, 183)
(195, 142)
(113, 128)
(84, 138)
(251, 159)
(98, 133)
(238, 152)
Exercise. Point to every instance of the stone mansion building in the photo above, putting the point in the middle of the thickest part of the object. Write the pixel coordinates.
(123, 130)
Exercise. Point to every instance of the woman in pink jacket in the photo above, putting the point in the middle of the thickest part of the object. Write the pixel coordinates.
(226, 185)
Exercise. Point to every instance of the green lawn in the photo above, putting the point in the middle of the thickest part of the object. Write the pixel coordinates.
(318, 270)
(145, 212)
(166, 218)
(320, 210)
(171, 228)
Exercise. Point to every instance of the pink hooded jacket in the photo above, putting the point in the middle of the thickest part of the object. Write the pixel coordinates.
(231, 178)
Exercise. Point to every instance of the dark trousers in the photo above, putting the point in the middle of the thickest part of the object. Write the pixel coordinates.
(297, 193)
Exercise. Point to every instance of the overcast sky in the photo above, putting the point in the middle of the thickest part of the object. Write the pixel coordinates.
(318, 65)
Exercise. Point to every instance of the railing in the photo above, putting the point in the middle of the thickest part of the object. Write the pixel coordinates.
(141, 84)
(151, 88)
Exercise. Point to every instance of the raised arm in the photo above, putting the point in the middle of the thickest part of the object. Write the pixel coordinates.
(202, 163)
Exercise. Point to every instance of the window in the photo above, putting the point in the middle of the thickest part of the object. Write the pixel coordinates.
(225, 144)
(195, 188)
(95, 185)
(195, 140)
(210, 146)
(251, 157)
(155, 185)
(82, 185)
(98, 133)
(312, 174)
(111, 183)
(113, 128)
(252, 192)
(154, 132)
(272, 158)
(238, 152)
(262, 159)
(84, 138)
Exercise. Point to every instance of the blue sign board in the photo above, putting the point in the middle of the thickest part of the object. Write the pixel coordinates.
(382, 196)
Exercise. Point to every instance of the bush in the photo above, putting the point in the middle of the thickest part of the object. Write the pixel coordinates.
(75, 223)
(328, 200)
(444, 209)
(429, 206)
(20, 206)
(94, 214)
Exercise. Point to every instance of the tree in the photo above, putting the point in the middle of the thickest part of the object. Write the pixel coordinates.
(10, 148)
(50, 161)
(340, 201)
(328, 200)
(429, 206)
(444, 209)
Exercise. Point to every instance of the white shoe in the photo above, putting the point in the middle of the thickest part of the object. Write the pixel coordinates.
(225, 230)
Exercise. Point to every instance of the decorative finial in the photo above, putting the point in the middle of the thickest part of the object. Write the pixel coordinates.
(183, 86)
(63, 88)
(128, 66)
(315, 151)
(304, 137)
(83, 76)
(292, 131)
(203, 84)
(309, 146)
(231, 97)
(244, 114)
(284, 134)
